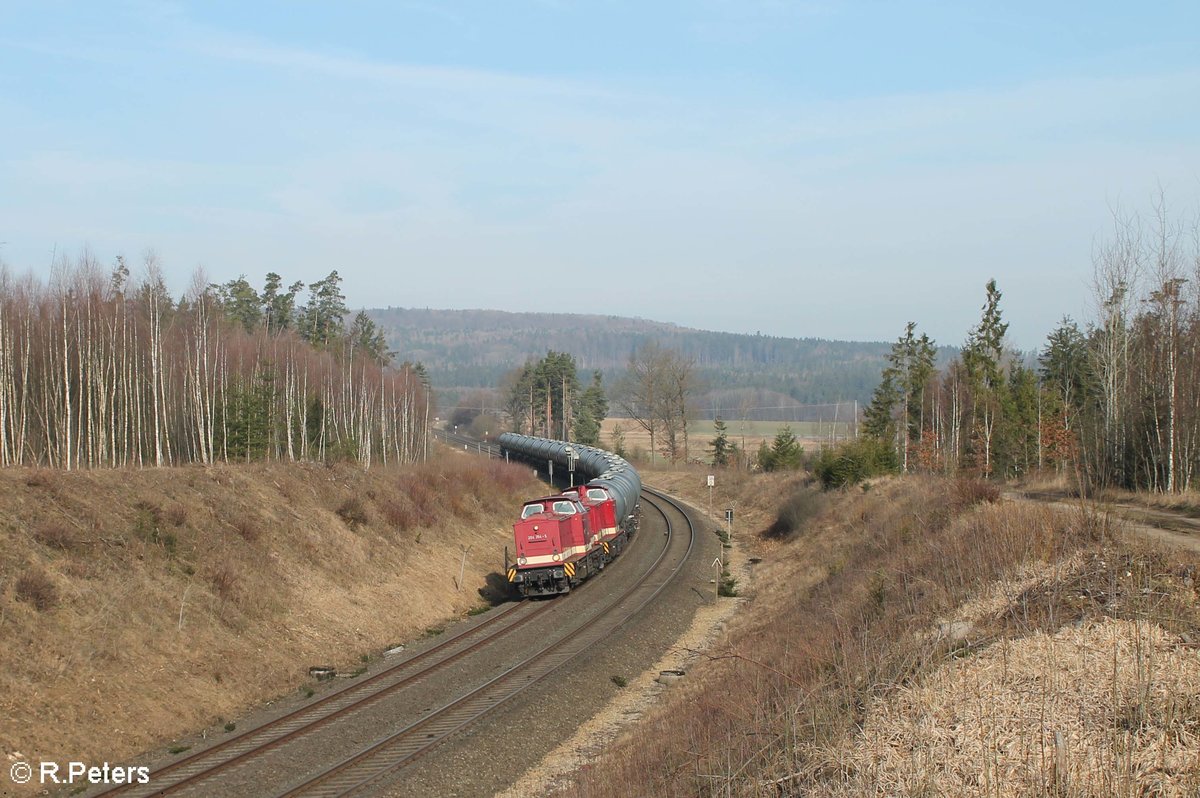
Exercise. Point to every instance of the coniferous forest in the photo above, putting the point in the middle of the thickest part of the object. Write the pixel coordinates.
(100, 369)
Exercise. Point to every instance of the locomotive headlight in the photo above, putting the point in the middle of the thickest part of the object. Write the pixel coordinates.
(556, 557)
(522, 561)
(535, 527)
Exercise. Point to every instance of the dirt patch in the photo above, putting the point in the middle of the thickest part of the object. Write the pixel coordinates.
(1174, 523)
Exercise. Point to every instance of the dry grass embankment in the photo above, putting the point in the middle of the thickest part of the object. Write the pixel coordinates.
(136, 606)
(924, 638)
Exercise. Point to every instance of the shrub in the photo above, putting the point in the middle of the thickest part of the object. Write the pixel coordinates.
(36, 588)
(728, 585)
(969, 492)
(353, 512)
(41, 478)
(177, 515)
(802, 505)
(147, 522)
(54, 535)
(248, 529)
(224, 579)
(853, 461)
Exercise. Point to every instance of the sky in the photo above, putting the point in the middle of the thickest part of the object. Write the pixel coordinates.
(805, 169)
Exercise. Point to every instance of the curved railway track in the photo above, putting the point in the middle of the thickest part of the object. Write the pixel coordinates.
(366, 769)
(358, 773)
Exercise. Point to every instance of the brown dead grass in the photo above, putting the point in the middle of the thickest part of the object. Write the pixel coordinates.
(897, 604)
(136, 606)
(1100, 709)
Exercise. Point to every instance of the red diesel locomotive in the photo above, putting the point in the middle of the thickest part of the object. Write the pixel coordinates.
(564, 538)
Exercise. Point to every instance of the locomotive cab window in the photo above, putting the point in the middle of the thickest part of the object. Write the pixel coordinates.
(564, 508)
(595, 494)
(531, 509)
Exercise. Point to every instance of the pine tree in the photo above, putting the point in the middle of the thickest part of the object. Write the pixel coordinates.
(545, 393)
(896, 415)
(983, 359)
(591, 410)
(323, 319)
(279, 308)
(720, 449)
(879, 421)
(1065, 368)
(241, 303)
(618, 440)
(367, 337)
(785, 453)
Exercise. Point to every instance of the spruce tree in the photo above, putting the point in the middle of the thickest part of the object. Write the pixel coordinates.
(719, 447)
(785, 453)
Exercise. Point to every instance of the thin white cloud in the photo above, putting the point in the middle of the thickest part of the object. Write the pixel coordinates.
(354, 68)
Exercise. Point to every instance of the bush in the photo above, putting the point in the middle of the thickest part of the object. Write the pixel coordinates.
(55, 536)
(35, 587)
(969, 492)
(853, 461)
(728, 585)
(148, 521)
(795, 513)
(148, 525)
(224, 579)
(247, 528)
(353, 512)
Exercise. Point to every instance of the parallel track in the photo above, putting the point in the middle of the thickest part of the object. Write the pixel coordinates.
(366, 769)
(224, 756)
(468, 443)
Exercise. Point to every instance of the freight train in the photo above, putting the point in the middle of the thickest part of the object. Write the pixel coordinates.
(563, 538)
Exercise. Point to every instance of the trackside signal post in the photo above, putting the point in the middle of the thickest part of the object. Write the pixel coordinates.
(729, 524)
(712, 480)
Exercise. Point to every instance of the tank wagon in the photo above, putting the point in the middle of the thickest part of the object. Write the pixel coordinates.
(564, 538)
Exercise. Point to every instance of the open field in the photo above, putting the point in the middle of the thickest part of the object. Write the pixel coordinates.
(747, 435)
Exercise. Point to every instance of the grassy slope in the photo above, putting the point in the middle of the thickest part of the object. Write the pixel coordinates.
(920, 639)
(138, 605)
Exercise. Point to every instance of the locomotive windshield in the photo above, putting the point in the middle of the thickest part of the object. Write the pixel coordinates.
(531, 509)
(564, 508)
(596, 494)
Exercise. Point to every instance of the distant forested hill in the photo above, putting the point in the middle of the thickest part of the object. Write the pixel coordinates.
(466, 349)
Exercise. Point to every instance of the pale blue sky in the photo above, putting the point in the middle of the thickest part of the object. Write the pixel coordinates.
(821, 168)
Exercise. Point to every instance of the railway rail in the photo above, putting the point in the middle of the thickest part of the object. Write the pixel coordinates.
(359, 772)
(217, 759)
